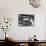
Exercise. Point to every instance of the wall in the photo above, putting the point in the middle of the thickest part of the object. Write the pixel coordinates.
(45, 28)
(11, 8)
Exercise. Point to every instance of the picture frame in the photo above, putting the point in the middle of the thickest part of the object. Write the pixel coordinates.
(26, 20)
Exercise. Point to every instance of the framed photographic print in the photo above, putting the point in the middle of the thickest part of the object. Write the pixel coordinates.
(26, 20)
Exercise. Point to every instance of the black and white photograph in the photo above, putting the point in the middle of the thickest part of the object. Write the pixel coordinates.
(26, 20)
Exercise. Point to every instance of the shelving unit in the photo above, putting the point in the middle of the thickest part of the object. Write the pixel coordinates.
(22, 43)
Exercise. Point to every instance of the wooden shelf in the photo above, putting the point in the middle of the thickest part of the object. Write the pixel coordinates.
(24, 42)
